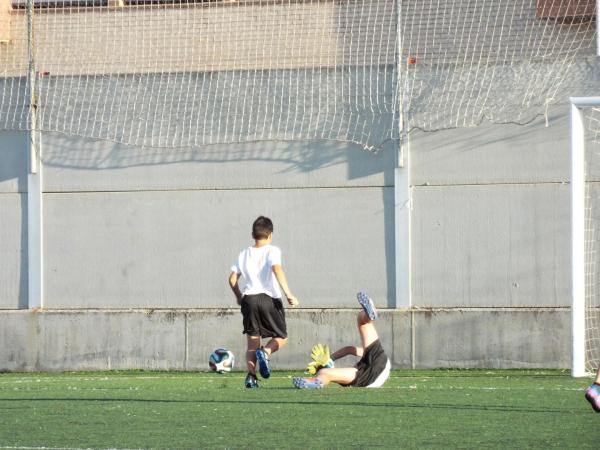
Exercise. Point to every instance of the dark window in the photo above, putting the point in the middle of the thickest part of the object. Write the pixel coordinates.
(168, 2)
(20, 4)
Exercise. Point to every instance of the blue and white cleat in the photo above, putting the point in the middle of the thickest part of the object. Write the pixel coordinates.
(367, 304)
(592, 395)
(251, 382)
(263, 363)
(306, 383)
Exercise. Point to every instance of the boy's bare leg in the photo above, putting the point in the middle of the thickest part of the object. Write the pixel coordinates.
(368, 335)
(262, 355)
(253, 342)
(341, 375)
(274, 344)
(366, 328)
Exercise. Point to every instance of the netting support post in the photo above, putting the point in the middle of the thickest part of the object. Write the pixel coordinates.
(35, 258)
(598, 27)
(402, 190)
(34, 183)
(402, 219)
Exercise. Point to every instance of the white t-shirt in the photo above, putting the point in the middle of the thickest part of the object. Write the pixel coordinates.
(255, 264)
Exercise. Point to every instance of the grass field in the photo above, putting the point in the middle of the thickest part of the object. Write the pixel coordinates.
(415, 409)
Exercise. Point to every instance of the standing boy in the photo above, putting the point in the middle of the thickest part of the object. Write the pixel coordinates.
(262, 307)
(372, 370)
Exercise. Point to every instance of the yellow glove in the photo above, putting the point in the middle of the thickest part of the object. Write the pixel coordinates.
(320, 358)
(312, 368)
(320, 354)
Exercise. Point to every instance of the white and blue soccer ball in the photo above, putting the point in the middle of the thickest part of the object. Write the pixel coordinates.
(221, 360)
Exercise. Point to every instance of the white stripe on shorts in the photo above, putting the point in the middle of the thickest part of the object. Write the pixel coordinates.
(382, 376)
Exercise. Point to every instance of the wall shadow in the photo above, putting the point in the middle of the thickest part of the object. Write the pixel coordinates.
(13, 181)
(77, 164)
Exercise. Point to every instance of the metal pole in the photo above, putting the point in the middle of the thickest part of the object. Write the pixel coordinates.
(402, 191)
(598, 27)
(33, 97)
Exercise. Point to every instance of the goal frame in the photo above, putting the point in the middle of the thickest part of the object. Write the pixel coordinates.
(578, 292)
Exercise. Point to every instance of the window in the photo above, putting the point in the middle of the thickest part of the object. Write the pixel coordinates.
(22, 4)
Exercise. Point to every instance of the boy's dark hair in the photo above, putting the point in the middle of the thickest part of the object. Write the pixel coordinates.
(262, 228)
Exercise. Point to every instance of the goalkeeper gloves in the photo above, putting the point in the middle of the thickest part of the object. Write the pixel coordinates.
(320, 359)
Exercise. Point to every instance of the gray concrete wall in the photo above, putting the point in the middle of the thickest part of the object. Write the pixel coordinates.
(491, 223)
(183, 339)
(135, 228)
(138, 243)
(491, 246)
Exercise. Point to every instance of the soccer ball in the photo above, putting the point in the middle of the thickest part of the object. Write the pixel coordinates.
(221, 360)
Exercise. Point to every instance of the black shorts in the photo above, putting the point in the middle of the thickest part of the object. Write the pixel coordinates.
(373, 365)
(263, 316)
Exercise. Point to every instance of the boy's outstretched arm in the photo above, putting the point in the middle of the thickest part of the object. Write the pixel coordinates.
(348, 350)
(282, 280)
(233, 284)
(321, 359)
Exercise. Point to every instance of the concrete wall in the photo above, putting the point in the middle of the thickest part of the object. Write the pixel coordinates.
(491, 223)
(162, 230)
(209, 36)
(216, 36)
(138, 244)
(138, 241)
(183, 339)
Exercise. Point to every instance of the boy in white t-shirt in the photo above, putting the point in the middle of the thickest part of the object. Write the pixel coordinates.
(260, 300)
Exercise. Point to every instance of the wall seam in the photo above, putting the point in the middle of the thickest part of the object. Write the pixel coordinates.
(185, 341)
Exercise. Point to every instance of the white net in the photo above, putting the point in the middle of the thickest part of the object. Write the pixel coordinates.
(592, 236)
(502, 61)
(178, 73)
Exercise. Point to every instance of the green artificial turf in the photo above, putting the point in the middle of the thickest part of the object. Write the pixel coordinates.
(415, 409)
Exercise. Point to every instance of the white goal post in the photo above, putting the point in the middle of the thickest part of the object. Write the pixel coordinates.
(583, 243)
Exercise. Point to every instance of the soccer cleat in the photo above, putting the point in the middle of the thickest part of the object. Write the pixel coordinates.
(251, 382)
(306, 383)
(263, 363)
(592, 395)
(367, 304)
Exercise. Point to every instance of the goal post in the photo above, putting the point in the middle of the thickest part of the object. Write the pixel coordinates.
(582, 237)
